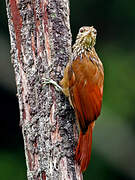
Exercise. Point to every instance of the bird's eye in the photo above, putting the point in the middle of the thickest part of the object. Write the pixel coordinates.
(81, 30)
(95, 32)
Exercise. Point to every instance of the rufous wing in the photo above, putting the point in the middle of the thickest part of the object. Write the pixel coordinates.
(86, 90)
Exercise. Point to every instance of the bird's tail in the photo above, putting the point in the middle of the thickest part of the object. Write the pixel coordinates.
(83, 150)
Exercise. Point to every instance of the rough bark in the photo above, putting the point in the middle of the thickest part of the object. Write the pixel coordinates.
(40, 47)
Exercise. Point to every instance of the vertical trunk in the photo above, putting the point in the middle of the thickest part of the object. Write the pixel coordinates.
(40, 47)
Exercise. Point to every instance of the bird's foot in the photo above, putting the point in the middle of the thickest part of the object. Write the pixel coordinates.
(51, 81)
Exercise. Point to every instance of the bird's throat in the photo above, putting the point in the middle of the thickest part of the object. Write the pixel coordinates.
(79, 49)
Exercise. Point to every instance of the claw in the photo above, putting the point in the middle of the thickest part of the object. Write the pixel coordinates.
(50, 81)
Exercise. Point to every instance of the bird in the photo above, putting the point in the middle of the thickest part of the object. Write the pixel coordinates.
(83, 84)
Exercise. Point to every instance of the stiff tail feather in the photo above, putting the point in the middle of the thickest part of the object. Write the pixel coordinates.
(83, 150)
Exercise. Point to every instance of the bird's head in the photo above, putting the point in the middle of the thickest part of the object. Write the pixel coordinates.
(86, 37)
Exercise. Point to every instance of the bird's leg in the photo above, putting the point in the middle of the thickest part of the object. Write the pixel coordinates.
(51, 81)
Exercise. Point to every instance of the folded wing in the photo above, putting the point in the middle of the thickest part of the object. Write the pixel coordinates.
(86, 90)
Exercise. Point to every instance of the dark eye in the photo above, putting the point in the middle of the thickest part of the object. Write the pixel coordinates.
(81, 30)
(95, 32)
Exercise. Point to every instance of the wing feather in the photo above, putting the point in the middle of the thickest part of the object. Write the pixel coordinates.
(85, 92)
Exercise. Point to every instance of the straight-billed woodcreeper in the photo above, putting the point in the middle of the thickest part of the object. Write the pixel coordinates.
(83, 84)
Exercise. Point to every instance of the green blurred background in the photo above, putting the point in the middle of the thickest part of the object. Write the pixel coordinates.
(113, 150)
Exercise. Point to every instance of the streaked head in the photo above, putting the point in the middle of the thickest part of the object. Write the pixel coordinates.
(87, 36)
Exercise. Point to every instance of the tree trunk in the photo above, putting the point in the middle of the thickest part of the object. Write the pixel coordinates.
(40, 47)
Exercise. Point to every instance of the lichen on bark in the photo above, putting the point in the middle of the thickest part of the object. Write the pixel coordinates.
(41, 47)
